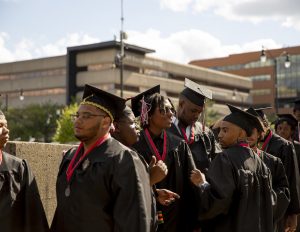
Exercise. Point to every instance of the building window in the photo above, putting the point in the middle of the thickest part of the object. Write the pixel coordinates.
(261, 78)
(260, 92)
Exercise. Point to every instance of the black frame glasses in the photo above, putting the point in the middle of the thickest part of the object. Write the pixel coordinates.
(86, 116)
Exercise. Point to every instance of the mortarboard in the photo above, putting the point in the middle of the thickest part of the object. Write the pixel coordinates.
(136, 101)
(257, 123)
(297, 104)
(242, 119)
(195, 92)
(260, 111)
(109, 103)
(290, 119)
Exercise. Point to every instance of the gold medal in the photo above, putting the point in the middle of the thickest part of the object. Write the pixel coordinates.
(68, 191)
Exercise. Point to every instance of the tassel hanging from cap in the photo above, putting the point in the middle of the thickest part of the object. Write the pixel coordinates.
(145, 108)
(203, 118)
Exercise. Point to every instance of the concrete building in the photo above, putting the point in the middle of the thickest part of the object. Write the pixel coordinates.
(60, 79)
(272, 81)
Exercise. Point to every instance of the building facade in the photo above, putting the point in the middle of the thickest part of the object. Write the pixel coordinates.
(273, 83)
(61, 79)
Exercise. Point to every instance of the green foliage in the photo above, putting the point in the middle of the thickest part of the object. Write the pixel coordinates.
(33, 123)
(64, 132)
(211, 115)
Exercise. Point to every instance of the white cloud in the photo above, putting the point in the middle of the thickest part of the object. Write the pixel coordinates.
(175, 5)
(188, 45)
(182, 46)
(5, 54)
(29, 49)
(285, 12)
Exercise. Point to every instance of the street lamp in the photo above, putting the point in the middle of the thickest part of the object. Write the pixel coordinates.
(21, 96)
(287, 64)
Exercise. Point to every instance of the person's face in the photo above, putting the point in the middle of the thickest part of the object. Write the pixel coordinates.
(90, 123)
(162, 117)
(4, 132)
(188, 112)
(229, 134)
(254, 138)
(284, 130)
(297, 115)
(126, 128)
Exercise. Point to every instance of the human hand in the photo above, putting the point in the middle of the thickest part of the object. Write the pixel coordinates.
(158, 171)
(166, 197)
(197, 177)
(291, 223)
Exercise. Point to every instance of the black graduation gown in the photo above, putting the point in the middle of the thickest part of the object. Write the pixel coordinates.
(204, 148)
(21, 209)
(280, 186)
(109, 191)
(179, 215)
(284, 150)
(239, 198)
(297, 149)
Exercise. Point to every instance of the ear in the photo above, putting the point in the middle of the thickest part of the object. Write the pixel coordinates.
(242, 134)
(181, 102)
(106, 122)
(117, 128)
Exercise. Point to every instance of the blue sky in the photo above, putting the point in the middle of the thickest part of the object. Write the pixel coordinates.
(179, 30)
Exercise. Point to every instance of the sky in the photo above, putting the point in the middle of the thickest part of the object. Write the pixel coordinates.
(178, 30)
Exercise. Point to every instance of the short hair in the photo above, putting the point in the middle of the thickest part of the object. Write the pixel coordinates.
(124, 114)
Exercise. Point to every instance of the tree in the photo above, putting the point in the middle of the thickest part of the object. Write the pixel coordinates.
(64, 132)
(35, 122)
(211, 115)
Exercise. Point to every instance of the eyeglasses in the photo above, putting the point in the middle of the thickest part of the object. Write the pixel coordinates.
(167, 110)
(85, 116)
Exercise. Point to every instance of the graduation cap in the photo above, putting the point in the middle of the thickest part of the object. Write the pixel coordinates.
(195, 92)
(290, 119)
(260, 111)
(257, 123)
(136, 101)
(109, 103)
(242, 119)
(297, 104)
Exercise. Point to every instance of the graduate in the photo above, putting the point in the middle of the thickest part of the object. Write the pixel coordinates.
(279, 180)
(283, 149)
(200, 138)
(102, 185)
(156, 113)
(236, 193)
(21, 208)
(296, 112)
(285, 126)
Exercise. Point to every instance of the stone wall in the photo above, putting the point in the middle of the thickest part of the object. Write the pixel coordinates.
(44, 160)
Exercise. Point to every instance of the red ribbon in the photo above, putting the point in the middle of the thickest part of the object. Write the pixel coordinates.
(298, 129)
(243, 144)
(153, 147)
(0, 156)
(72, 167)
(263, 147)
(192, 137)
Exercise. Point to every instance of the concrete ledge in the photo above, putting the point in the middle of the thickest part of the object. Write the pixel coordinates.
(44, 160)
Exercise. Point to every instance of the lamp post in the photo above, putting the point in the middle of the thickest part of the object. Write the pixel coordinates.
(121, 55)
(287, 64)
(21, 97)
